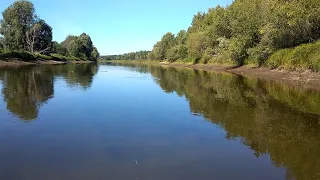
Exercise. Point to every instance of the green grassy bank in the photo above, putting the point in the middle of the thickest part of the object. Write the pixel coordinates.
(30, 57)
(303, 57)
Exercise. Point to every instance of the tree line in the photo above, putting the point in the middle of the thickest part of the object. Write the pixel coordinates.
(139, 55)
(247, 31)
(22, 30)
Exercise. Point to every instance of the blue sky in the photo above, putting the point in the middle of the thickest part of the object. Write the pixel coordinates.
(119, 26)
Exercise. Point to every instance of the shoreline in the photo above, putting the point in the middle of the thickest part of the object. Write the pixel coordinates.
(17, 62)
(305, 79)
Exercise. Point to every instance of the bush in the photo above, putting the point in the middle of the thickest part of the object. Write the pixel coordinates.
(42, 56)
(21, 55)
(59, 57)
(258, 55)
(303, 57)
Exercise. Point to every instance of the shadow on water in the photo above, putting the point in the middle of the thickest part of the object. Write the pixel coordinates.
(269, 118)
(27, 88)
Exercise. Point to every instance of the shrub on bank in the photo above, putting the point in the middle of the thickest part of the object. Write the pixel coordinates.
(58, 57)
(303, 57)
(28, 56)
(42, 56)
(20, 55)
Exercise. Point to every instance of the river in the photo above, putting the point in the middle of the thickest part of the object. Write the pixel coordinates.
(148, 122)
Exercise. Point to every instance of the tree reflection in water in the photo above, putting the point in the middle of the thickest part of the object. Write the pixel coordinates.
(27, 88)
(268, 117)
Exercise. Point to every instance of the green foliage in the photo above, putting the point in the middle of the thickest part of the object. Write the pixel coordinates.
(139, 55)
(247, 31)
(181, 38)
(39, 37)
(196, 44)
(18, 18)
(21, 30)
(95, 54)
(80, 47)
(21, 55)
(59, 49)
(68, 41)
(42, 56)
(1, 43)
(303, 57)
(59, 57)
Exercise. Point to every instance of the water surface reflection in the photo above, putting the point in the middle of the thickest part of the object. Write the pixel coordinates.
(26, 88)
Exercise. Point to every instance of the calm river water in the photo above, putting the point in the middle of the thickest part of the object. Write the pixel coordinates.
(93, 122)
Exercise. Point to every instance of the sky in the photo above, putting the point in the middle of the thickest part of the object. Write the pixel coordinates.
(119, 26)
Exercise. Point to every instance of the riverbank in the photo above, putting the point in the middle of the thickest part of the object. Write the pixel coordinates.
(15, 62)
(306, 79)
(16, 58)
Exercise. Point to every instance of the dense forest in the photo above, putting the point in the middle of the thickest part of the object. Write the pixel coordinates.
(26, 36)
(139, 55)
(249, 32)
(245, 32)
(273, 33)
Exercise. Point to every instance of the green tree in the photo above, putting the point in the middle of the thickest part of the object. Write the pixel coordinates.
(181, 38)
(18, 18)
(197, 43)
(68, 41)
(172, 53)
(59, 49)
(39, 37)
(1, 43)
(79, 46)
(86, 45)
(167, 41)
(95, 54)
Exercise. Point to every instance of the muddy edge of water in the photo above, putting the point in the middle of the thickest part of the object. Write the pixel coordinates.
(305, 79)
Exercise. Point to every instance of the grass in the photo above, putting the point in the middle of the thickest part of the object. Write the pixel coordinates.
(58, 57)
(28, 56)
(303, 57)
(21, 55)
(42, 56)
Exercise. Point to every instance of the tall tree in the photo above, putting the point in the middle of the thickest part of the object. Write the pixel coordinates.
(85, 44)
(58, 49)
(1, 43)
(17, 20)
(39, 37)
(95, 54)
(68, 41)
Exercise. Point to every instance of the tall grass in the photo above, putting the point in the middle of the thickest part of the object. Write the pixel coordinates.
(28, 56)
(303, 57)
